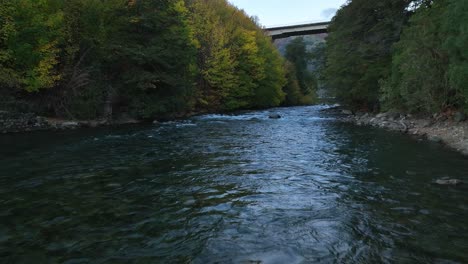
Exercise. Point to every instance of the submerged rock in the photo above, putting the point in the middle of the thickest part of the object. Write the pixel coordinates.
(445, 181)
(274, 116)
(435, 139)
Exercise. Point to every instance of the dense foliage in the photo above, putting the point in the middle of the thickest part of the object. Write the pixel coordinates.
(400, 55)
(238, 66)
(147, 58)
(302, 83)
(359, 48)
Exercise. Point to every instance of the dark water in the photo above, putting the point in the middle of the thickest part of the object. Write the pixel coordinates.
(231, 189)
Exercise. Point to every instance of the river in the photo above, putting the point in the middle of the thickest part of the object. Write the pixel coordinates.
(241, 188)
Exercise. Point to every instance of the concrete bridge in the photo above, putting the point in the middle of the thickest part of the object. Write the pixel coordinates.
(297, 30)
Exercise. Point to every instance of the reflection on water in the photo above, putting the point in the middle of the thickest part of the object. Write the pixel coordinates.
(231, 189)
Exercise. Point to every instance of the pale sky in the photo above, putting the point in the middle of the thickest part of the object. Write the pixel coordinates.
(282, 12)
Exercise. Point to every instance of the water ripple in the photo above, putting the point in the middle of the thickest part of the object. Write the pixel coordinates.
(238, 188)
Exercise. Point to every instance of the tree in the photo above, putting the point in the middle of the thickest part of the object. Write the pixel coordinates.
(269, 92)
(32, 33)
(300, 58)
(359, 49)
(139, 55)
(418, 82)
(238, 66)
(86, 59)
(292, 89)
(215, 60)
(455, 23)
(297, 54)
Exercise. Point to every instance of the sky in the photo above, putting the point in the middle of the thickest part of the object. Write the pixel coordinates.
(283, 12)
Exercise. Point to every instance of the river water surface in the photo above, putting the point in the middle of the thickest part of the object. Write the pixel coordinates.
(231, 189)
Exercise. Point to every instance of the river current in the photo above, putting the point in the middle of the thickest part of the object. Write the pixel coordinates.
(240, 188)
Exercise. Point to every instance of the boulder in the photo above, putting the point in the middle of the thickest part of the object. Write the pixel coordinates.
(459, 117)
(393, 115)
(347, 112)
(274, 116)
(69, 125)
(360, 114)
(427, 123)
(382, 116)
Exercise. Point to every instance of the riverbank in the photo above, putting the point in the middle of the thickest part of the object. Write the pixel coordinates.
(11, 122)
(450, 130)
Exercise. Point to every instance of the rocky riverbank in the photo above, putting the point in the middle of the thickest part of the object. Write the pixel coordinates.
(25, 122)
(451, 130)
(21, 122)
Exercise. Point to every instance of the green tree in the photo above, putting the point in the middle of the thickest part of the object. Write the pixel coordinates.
(297, 54)
(456, 44)
(418, 82)
(292, 89)
(139, 55)
(238, 65)
(32, 34)
(300, 58)
(215, 60)
(359, 49)
(92, 58)
(7, 29)
(269, 92)
(159, 58)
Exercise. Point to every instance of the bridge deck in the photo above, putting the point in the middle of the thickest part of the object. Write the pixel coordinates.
(297, 30)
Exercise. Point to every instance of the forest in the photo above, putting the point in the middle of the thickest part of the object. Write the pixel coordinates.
(88, 59)
(149, 59)
(400, 55)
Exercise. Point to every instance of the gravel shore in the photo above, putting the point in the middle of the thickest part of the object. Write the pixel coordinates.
(449, 130)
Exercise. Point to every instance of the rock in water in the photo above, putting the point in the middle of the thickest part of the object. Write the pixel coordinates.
(69, 125)
(274, 116)
(347, 112)
(449, 182)
(436, 139)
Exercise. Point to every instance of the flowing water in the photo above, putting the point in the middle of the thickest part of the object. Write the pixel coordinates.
(231, 189)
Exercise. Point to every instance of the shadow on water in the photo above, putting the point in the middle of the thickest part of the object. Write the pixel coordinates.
(231, 189)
